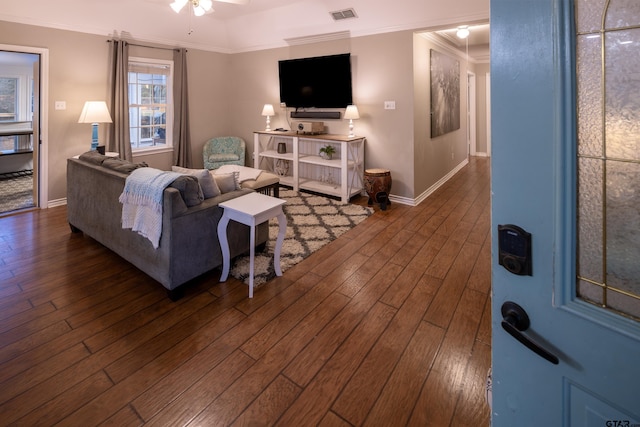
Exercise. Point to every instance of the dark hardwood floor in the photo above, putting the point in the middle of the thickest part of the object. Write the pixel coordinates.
(389, 325)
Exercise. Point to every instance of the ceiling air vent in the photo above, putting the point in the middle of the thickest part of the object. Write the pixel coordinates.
(343, 14)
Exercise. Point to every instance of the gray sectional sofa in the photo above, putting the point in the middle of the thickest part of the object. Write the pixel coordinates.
(189, 243)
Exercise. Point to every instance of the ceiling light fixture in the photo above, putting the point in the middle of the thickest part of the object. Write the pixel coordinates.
(200, 7)
(463, 32)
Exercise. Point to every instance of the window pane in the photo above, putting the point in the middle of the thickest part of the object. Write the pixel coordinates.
(8, 99)
(149, 89)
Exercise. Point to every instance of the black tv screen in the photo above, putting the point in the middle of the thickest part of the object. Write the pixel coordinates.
(320, 82)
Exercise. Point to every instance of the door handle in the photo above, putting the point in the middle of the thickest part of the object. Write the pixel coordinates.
(515, 321)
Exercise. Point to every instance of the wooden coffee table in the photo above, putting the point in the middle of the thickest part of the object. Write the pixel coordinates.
(251, 209)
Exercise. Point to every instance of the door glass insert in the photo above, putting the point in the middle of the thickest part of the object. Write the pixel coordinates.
(608, 128)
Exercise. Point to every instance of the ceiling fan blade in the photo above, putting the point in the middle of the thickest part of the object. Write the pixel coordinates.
(240, 2)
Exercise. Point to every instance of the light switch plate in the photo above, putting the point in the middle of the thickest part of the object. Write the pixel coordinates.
(389, 105)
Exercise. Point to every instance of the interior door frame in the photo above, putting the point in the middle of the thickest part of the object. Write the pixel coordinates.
(488, 109)
(43, 143)
(471, 113)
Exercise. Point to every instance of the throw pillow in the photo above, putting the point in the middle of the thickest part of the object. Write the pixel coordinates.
(208, 184)
(227, 181)
(189, 189)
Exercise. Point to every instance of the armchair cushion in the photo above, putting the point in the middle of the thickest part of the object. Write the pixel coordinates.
(224, 157)
(223, 150)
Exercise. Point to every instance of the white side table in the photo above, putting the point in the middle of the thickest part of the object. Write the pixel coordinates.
(251, 209)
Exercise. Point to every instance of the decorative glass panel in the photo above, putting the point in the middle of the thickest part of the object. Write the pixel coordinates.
(622, 14)
(608, 102)
(622, 85)
(589, 15)
(623, 226)
(589, 65)
(590, 217)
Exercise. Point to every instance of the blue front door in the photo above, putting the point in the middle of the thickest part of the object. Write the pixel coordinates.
(573, 357)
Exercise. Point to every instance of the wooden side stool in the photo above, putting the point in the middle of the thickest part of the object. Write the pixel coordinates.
(377, 184)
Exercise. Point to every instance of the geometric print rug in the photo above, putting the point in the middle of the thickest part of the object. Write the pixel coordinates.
(16, 191)
(312, 222)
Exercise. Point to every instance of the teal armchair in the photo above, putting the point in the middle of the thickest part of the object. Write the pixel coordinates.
(223, 150)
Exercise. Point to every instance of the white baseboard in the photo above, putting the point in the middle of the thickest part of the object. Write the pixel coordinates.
(55, 203)
(421, 198)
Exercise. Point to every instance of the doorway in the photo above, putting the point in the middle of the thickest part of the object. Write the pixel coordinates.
(21, 101)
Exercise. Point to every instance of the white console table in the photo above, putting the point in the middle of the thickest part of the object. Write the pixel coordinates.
(342, 176)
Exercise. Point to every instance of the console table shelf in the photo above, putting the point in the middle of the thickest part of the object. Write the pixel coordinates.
(342, 176)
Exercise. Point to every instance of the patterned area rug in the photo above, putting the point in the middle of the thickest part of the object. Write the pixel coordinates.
(16, 192)
(312, 222)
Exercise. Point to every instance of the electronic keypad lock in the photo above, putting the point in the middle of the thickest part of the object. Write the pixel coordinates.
(514, 249)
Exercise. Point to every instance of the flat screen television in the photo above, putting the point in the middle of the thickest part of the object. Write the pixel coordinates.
(318, 82)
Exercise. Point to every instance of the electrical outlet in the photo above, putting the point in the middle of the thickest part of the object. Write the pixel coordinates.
(61, 105)
(389, 105)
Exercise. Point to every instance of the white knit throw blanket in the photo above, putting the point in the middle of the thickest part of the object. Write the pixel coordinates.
(142, 202)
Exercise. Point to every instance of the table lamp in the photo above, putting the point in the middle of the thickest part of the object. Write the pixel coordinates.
(268, 111)
(351, 113)
(95, 112)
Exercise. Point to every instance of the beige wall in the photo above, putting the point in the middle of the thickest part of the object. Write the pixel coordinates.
(434, 158)
(381, 70)
(227, 92)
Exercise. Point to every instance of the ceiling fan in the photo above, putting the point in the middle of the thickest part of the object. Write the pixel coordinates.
(200, 7)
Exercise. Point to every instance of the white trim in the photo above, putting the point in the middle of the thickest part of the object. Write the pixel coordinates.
(488, 98)
(422, 197)
(440, 43)
(43, 161)
(57, 202)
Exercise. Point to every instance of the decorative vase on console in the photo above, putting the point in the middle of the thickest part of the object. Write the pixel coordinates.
(282, 167)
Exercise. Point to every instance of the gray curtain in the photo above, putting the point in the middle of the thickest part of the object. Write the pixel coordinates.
(181, 135)
(119, 139)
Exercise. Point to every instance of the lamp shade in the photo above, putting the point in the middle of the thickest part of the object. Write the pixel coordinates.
(268, 110)
(351, 113)
(95, 112)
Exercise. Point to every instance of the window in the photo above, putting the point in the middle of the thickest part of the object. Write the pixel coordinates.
(150, 104)
(16, 111)
(8, 99)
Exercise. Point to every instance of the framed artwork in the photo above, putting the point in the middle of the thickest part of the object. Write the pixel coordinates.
(445, 94)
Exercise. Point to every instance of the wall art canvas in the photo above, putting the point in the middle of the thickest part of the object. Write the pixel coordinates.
(445, 94)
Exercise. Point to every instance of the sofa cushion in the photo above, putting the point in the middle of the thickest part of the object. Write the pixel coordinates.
(208, 184)
(123, 166)
(189, 189)
(227, 181)
(93, 157)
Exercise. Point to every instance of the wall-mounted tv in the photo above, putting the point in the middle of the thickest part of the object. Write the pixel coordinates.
(318, 82)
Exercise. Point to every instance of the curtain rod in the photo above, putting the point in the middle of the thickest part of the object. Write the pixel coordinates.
(150, 47)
